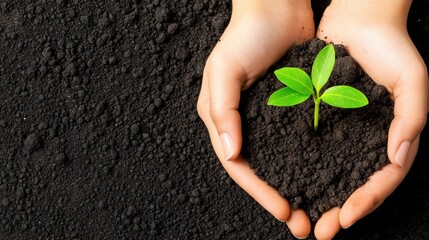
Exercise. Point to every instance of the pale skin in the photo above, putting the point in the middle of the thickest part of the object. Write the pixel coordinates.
(259, 33)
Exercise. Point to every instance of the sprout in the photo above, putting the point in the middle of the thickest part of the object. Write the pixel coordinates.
(300, 86)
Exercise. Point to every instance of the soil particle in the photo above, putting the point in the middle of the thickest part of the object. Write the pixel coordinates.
(5, 202)
(31, 143)
(61, 158)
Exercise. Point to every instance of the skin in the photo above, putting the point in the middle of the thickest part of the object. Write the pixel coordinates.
(376, 37)
(259, 33)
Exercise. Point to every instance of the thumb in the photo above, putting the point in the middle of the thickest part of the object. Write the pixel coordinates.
(410, 114)
(225, 85)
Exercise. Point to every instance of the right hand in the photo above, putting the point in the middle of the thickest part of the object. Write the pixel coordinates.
(376, 37)
(259, 33)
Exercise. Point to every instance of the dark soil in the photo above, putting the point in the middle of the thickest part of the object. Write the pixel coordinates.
(316, 171)
(100, 138)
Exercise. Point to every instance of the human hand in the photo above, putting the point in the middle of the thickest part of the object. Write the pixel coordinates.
(375, 35)
(259, 33)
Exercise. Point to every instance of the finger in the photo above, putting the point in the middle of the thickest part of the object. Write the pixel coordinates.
(328, 225)
(411, 100)
(240, 171)
(224, 89)
(299, 224)
(369, 196)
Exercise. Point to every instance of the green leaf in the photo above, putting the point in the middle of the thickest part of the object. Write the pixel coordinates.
(295, 78)
(322, 66)
(344, 97)
(287, 97)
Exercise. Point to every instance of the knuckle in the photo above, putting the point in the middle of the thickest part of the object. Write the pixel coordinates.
(218, 63)
(424, 71)
(421, 121)
(202, 107)
(376, 201)
(418, 121)
(216, 113)
(214, 59)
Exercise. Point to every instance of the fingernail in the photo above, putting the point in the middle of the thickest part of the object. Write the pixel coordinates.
(349, 225)
(278, 219)
(401, 154)
(227, 146)
(299, 237)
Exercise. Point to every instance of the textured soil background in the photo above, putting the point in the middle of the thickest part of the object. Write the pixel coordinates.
(100, 139)
(316, 171)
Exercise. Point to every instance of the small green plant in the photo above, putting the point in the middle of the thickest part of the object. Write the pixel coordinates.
(300, 86)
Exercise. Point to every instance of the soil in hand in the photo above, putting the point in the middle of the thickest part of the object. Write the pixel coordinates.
(316, 171)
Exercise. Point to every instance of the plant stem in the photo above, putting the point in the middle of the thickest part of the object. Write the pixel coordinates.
(316, 112)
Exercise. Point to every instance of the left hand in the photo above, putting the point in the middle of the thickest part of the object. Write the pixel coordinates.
(375, 35)
(259, 33)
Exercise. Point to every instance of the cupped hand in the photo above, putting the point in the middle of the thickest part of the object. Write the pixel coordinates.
(258, 34)
(375, 35)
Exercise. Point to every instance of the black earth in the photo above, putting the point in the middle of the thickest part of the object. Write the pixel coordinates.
(100, 138)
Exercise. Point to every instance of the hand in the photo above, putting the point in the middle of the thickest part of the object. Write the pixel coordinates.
(375, 35)
(259, 33)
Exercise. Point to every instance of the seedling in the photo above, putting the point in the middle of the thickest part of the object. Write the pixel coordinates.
(300, 86)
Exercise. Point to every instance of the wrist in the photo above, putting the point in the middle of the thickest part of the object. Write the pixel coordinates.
(374, 11)
(290, 19)
(240, 7)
